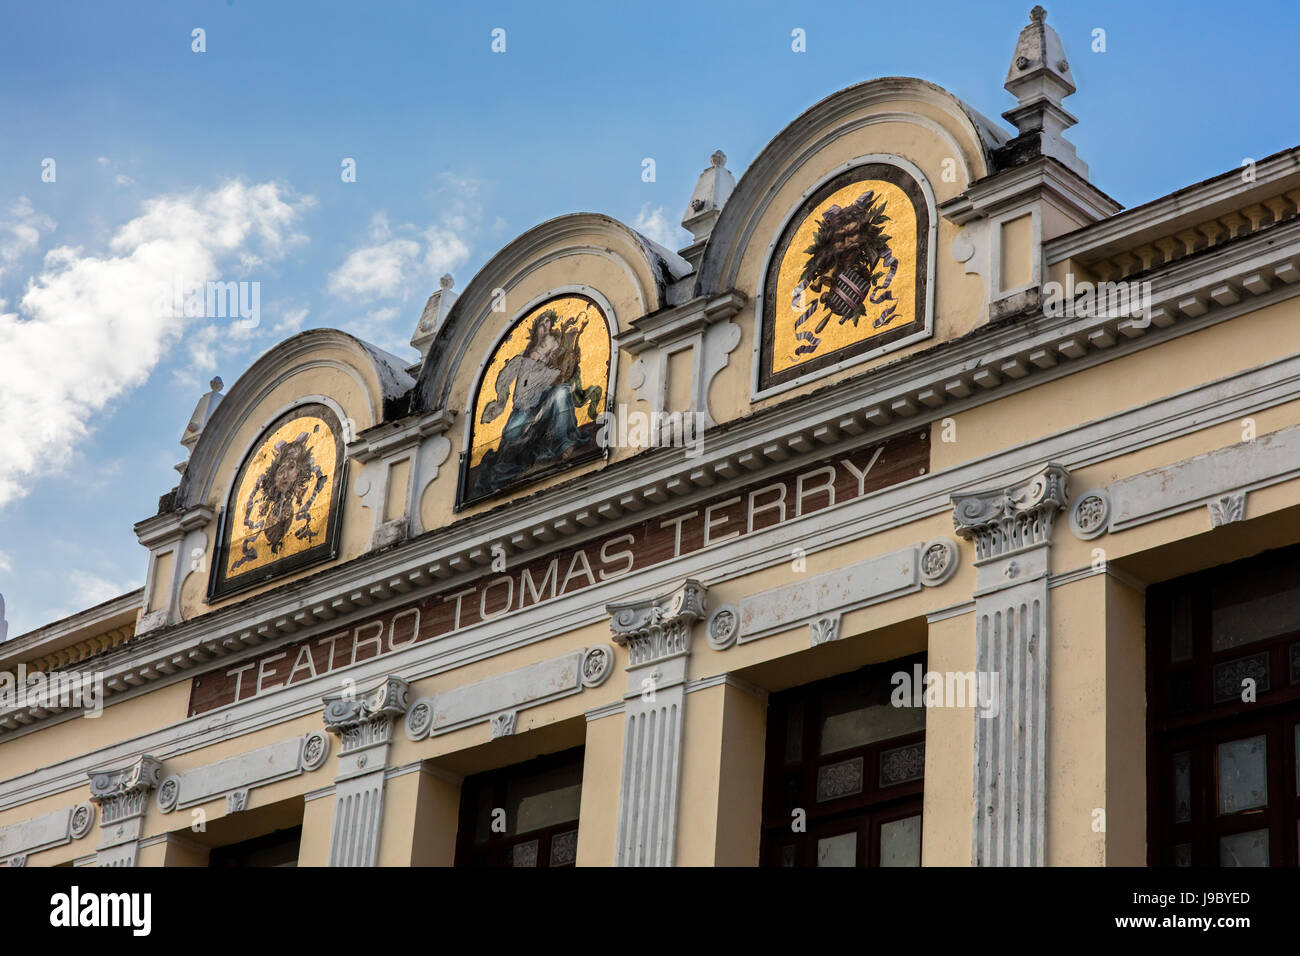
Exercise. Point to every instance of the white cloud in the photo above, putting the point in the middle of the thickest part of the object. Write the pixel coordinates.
(20, 233)
(92, 589)
(201, 347)
(445, 249)
(379, 327)
(86, 591)
(6, 563)
(89, 328)
(655, 226)
(390, 267)
(292, 322)
(377, 272)
(102, 160)
(123, 180)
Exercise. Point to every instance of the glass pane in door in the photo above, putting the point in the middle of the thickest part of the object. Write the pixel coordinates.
(1244, 849)
(1243, 774)
(900, 842)
(841, 850)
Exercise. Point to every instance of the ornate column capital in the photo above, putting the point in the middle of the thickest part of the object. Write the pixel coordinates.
(657, 629)
(1019, 516)
(122, 792)
(365, 724)
(122, 795)
(364, 719)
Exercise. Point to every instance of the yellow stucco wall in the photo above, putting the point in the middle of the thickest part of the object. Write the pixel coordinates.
(1096, 750)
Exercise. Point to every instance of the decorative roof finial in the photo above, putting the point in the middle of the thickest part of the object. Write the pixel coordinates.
(1039, 77)
(202, 413)
(710, 195)
(435, 312)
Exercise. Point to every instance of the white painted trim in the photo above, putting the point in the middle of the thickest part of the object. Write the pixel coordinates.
(1182, 413)
(997, 224)
(605, 710)
(1194, 482)
(949, 612)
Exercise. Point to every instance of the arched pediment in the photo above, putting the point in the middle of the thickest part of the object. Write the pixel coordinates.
(488, 302)
(935, 112)
(318, 365)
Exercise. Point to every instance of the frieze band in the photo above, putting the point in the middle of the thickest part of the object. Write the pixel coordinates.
(747, 510)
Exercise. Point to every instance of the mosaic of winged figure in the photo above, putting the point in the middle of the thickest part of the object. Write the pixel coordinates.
(542, 426)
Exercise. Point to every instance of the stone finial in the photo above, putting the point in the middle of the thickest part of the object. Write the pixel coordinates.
(1039, 77)
(710, 195)
(435, 312)
(202, 413)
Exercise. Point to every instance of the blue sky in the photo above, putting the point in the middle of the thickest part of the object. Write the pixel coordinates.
(226, 164)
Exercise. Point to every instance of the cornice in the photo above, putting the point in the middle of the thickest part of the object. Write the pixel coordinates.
(993, 193)
(172, 525)
(996, 360)
(673, 324)
(102, 618)
(388, 437)
(1191, 410)
(1186, 207)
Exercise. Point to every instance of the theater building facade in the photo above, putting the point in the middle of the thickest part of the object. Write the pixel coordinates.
(928, 508)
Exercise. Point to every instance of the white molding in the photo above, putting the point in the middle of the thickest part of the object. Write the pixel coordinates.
(1191, 410)
(1169, 214)
(949, 612)
(512, 691)
(605, 710)
(93, 622)
(464, 537)
(46, 831)
(1203, 479)
(245, 771)
(829, 595)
